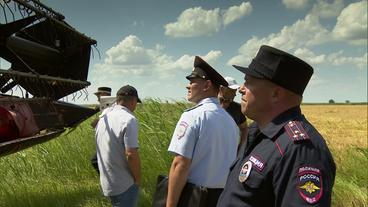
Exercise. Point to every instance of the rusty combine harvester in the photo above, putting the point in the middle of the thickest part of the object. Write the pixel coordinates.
(48, 61)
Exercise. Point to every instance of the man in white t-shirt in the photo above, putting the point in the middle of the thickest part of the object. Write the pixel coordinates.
(117, 150)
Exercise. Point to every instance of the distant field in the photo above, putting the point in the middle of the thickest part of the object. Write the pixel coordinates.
(58, 173)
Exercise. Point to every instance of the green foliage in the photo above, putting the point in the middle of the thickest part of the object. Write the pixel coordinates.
(157, 122)
(351, 181)
(58, 173)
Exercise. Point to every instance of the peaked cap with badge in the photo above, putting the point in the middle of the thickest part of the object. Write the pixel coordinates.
(280, 68)
(204, 71)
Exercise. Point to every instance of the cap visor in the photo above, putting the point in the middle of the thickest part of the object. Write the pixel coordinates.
(191, 76)
(248, 71)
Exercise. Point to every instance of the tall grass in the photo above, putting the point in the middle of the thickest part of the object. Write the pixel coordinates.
(58, 173)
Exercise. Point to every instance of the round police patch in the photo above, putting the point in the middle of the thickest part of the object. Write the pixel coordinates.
(245, 171)
(310, 184)
(181, 129)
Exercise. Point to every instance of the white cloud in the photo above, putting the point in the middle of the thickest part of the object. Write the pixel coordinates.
(339, 59)
(295, 4)
(131, 57)
(236, 12)
(302, 33)
(352, 24)
(129, 51)
(309, 32)
(324, 9)
(309, 56)
(212, 56)
(246, 52)
(184, 62)
(194, 22)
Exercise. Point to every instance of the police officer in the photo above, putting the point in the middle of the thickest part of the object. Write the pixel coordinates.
(205, 139)
(285, 162)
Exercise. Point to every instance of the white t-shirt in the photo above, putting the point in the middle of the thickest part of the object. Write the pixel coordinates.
(116, 130)
(208, 136)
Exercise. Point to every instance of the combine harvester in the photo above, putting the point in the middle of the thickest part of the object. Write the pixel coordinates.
(48, 61)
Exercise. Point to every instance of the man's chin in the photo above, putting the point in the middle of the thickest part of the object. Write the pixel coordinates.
(188, 97)
(243, 107)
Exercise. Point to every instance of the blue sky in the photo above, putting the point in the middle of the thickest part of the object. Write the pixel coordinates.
(151, 44)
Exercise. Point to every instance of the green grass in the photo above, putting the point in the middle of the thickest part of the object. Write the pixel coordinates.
(58, 173)
(351, 181)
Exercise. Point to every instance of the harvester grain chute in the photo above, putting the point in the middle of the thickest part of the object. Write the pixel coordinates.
(49, 61)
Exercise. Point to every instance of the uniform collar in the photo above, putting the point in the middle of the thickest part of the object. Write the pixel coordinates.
(209, 100)
(280, 121)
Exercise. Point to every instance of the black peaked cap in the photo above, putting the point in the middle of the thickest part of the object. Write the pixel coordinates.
(280, 68)
(203, 70)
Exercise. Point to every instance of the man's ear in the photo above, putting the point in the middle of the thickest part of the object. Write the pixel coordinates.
(276, 94)
(207, 85)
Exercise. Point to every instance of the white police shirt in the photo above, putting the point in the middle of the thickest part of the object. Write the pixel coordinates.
(208, 136)
(116, 130)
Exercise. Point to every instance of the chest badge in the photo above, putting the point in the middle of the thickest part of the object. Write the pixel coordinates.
(245, 171)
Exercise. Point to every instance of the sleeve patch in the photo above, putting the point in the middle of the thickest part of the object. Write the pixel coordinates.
(310, 184)
(257, 162)
(295, 131)
(182, 129)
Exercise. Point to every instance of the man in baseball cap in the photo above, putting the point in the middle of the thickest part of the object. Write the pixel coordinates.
(117, 149)
(226, 97)
(128, 91)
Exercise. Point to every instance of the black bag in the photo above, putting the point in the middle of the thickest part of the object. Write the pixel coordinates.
(191, 196)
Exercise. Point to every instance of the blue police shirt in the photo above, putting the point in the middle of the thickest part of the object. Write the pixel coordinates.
(208, 136)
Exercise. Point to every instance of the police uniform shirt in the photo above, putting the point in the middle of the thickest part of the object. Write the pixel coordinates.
(208, 136)
(115, 131)
(234, 109)
(285, 164)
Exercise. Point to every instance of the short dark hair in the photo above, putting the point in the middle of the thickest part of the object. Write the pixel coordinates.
(124, 99)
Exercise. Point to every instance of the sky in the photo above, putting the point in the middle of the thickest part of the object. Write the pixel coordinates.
(151, 44)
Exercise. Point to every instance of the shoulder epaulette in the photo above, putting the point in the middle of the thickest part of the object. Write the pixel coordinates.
(295, 131)
(196, 106)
